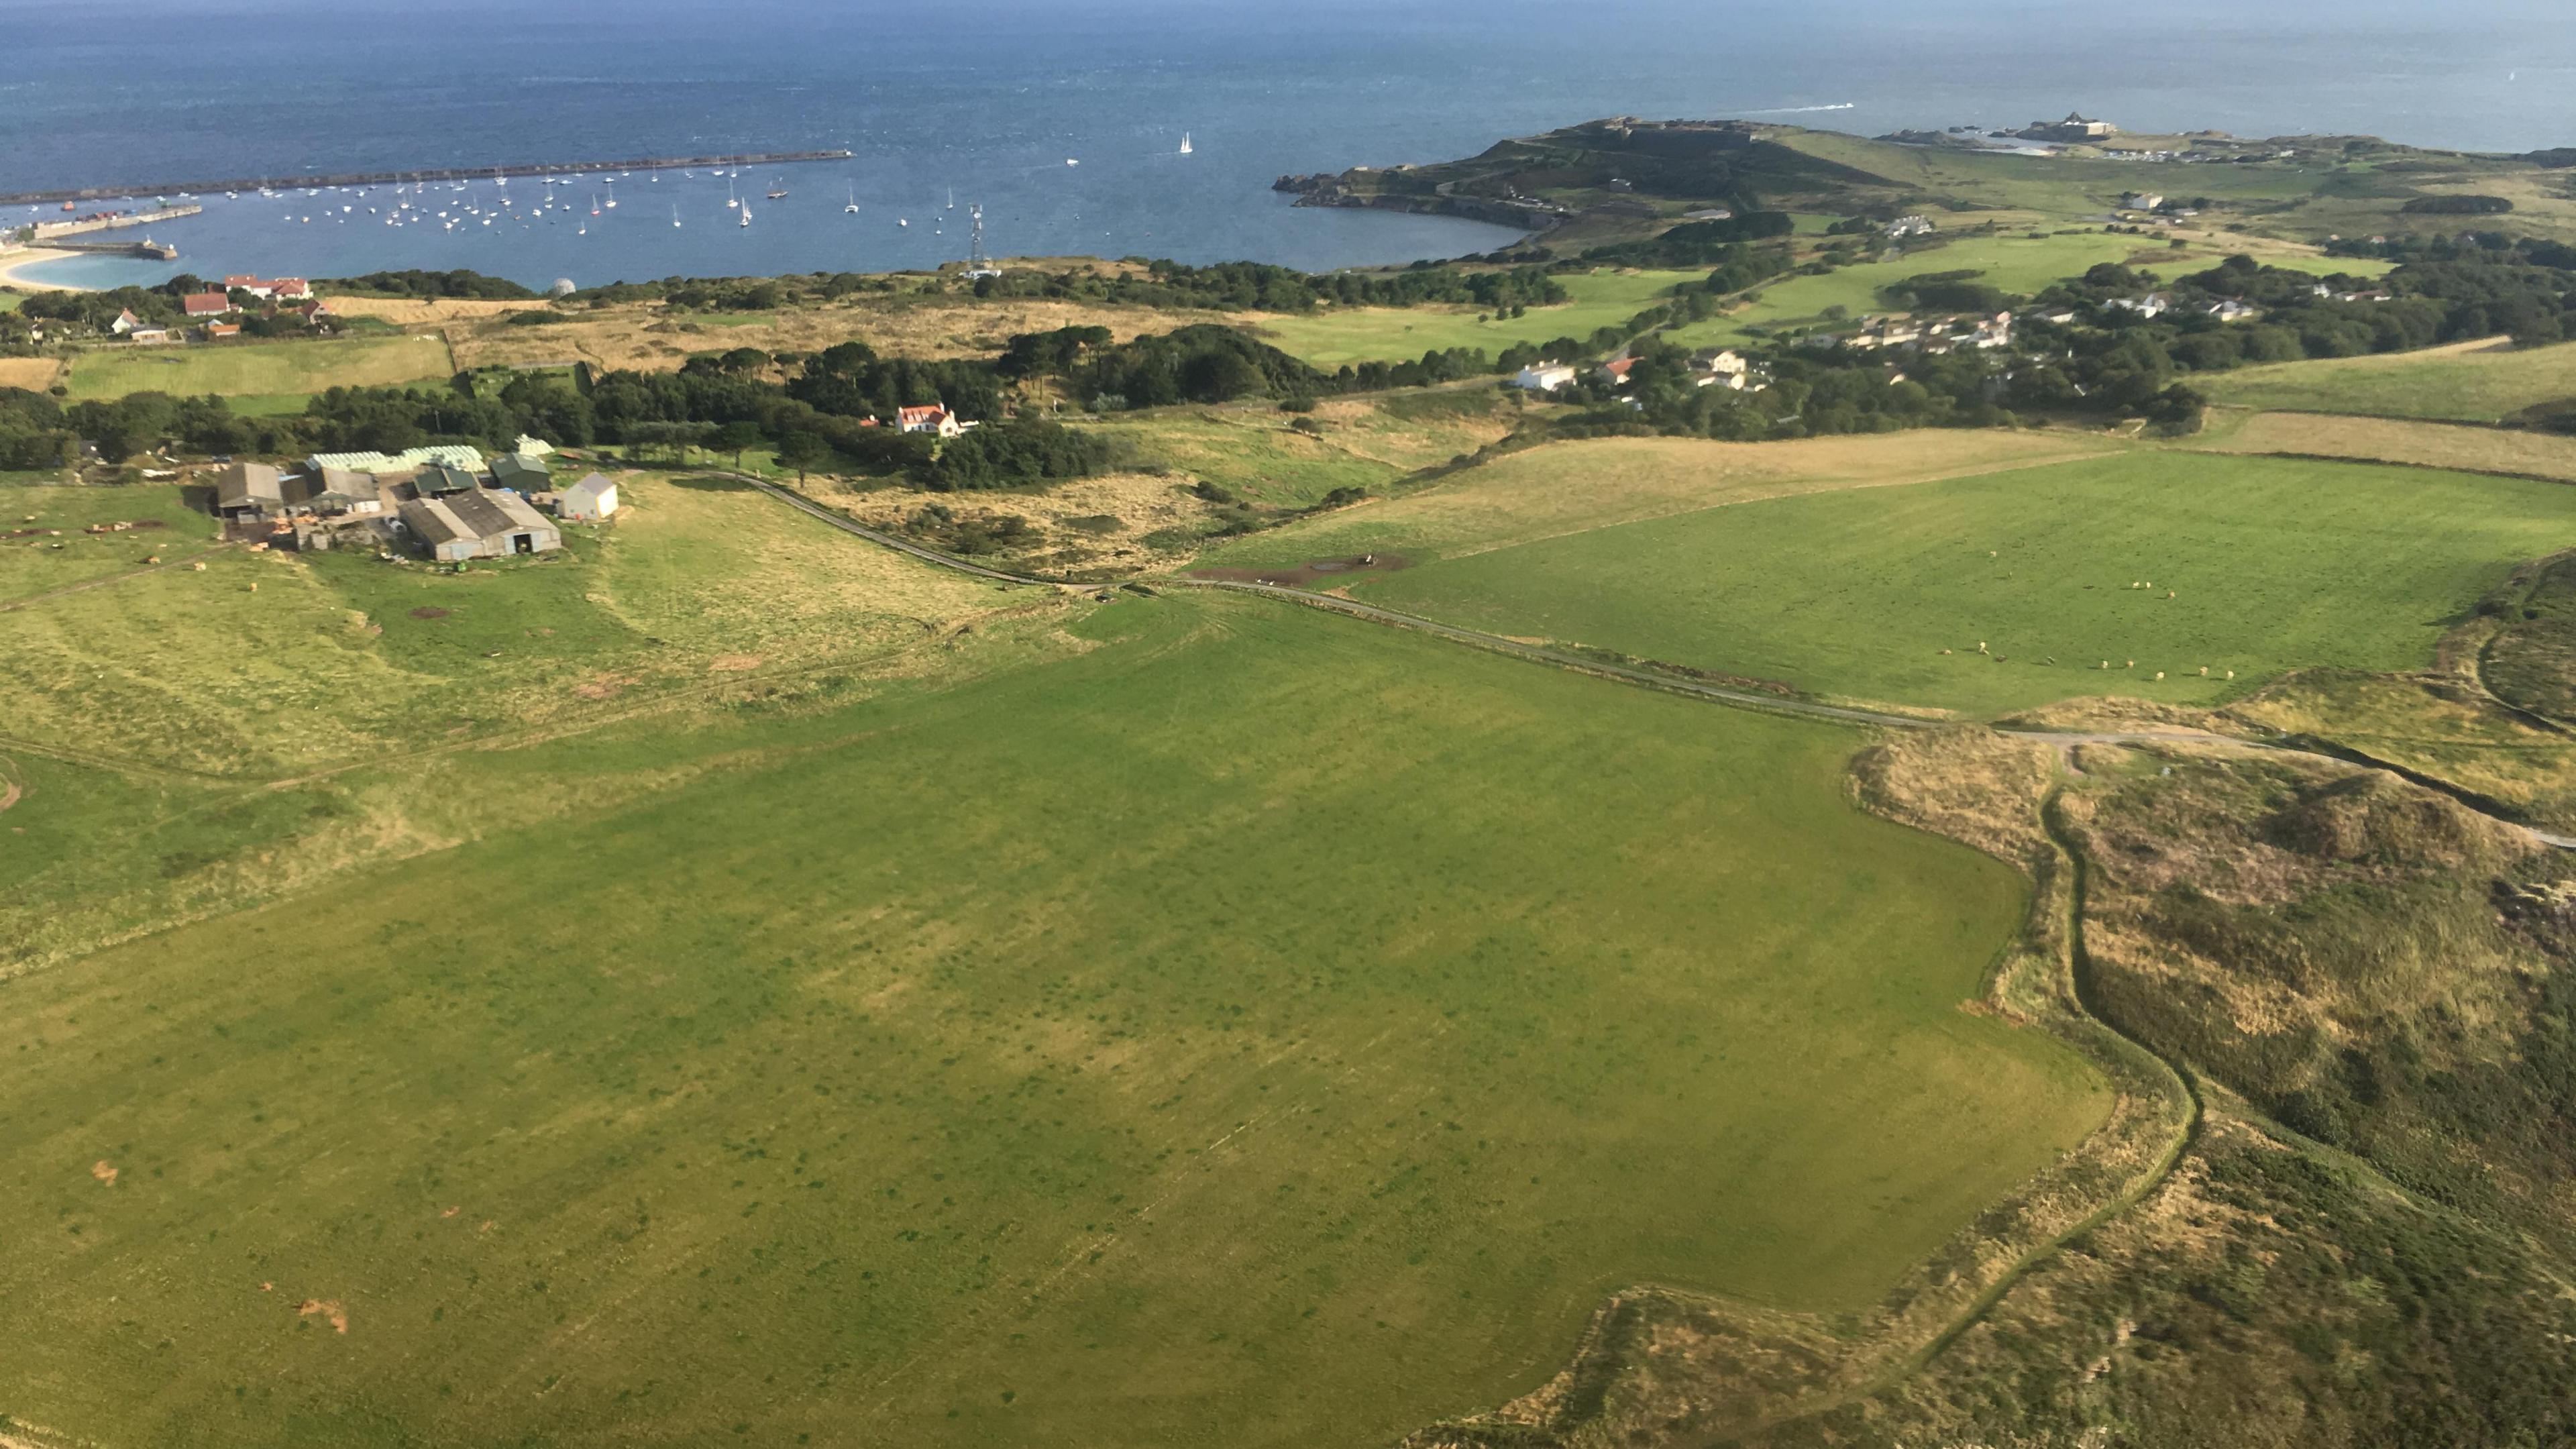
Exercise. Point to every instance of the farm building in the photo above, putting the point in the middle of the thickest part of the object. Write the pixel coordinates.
(487, 523)
(199, 305)
(336, 490)
(249, 491)
(454, 455)
(520, 473)
(591, 499)
(931, 419)
(441, 479)
(1543, 377)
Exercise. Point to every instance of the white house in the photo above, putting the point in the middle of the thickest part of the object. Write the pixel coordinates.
(2142, 201)
(2232, 310)
(1543, 377)
(930, 419)
(590, 500)
(126, 321)
(1726, 369)
(2154, 304)
(1906, 226)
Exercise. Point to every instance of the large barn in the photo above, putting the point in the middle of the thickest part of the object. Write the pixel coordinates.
(486, 523)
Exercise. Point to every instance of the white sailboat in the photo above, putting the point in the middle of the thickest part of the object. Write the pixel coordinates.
(675, 214)
(746, 215)
(952, 198)
(853, 207)
(1185, 143)
(731, 201)
(612, 193)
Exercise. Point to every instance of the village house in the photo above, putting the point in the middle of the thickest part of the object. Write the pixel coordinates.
(149, 333)
(1720, 368)
(2231, 310)
(284, 289)
(486, 523)
(1543, 377)
(246, 492)
(2075, 127)
(2142, 201)
(2154, 304)
(1615, 371)
(931, 419)
(218, 331)
(126, 321)
(1906, 226)
(201, 305)
(588, 501)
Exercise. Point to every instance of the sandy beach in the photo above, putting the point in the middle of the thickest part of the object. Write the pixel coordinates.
(12, 261)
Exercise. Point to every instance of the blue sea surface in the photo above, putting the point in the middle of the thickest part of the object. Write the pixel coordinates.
(990, 102)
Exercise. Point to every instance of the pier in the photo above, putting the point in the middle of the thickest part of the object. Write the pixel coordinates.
(392, 178)
(43, 233)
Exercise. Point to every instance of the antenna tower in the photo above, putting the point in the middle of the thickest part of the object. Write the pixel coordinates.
(978, 264)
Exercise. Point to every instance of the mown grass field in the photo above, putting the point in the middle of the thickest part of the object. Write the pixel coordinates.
(1568, 488)
(1334, 336)
(2274, 564)
(1113, 1049)
(2475, 382)
(268, 369)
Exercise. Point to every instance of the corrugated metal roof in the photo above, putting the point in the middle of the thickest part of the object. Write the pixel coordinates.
(245, 485)
(434, 523)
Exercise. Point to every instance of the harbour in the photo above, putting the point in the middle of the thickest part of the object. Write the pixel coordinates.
(408, 177)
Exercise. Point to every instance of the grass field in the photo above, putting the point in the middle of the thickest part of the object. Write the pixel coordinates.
(52, 552)
(1568, 488)
(2017, 263)
(32, 374)
(258, 368)
(2275, 564)
(1334, 336)
(2475, 382)
(2408, 441)
(1296, 1005)
(338, 656)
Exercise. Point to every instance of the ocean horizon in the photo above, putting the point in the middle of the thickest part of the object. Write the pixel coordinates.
(1064, 122)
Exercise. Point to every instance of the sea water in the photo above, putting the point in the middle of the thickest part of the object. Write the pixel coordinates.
(992, 102)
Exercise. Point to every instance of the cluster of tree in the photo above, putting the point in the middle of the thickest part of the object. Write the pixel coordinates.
(32, 431)
(1202, 364)
(2457, 206)
(1811, 393)
(1955, 291)
(1012, 454)
(745, 294)
(96, 312)
(414, 282)
(1696, 243)
(851, 380)
(1257, 286)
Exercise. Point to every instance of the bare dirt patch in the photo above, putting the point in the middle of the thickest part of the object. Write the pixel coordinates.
(1313, 571)
(429, 611)
(733, 663)
(328, 1308)
(105, 1174)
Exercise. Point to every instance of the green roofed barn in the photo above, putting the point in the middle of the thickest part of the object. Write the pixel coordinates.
(520, 473)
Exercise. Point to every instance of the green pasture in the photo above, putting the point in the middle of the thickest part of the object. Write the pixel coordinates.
(2016, 262)
(43, 546)
(2476, 382)
(1248, 1027)
(298, 367)
(1333, 336)
(2274, 564)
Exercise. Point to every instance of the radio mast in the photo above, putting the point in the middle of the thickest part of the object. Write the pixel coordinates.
(978, 264)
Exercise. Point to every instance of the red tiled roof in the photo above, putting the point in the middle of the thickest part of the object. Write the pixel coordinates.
(206, 304)
(919, 415)
(241, 281)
